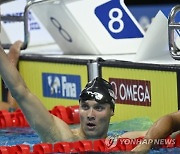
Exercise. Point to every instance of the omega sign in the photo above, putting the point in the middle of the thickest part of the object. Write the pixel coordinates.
(133, 92)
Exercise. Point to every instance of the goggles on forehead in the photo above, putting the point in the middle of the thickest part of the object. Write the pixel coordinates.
(99, 90)
(92, 95)
(98, 97)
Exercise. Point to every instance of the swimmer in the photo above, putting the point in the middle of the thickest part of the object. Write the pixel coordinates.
(13, 56)
(96, 107)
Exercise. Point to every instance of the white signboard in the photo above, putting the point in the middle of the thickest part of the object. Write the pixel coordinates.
(13, 31)
(91, 26)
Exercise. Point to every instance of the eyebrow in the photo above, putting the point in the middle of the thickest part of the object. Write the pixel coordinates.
(83, 102)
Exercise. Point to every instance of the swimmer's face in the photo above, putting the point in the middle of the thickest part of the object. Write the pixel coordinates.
(94, 119)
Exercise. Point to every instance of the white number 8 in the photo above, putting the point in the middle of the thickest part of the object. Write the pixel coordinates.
(115, 19)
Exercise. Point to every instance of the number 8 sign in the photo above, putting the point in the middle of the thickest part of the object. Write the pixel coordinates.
(117, 20)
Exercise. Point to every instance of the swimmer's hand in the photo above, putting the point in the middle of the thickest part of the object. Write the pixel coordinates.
(14, 52)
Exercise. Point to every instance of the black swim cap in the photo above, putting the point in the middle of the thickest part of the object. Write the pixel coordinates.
(99, 90)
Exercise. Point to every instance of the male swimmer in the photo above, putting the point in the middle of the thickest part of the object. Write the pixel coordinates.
(96, 106)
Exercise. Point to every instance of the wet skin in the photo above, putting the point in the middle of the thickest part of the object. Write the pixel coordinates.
(94, 119)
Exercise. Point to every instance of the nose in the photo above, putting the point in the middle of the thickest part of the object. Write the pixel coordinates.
(91, 115)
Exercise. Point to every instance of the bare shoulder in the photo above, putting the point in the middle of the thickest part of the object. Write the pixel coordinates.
(77, 134)
(75, 131)
(66, 133)
(60, 131)
(133, 134)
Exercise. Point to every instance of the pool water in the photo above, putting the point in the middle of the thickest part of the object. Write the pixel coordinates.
(15, 136)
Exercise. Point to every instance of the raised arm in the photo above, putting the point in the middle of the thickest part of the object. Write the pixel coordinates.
(13, 56)
(161, 129)
(49, 127)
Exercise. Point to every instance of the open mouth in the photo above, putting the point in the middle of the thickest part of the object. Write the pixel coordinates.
(91, 125)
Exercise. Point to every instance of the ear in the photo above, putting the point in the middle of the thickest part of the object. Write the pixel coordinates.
(112, 112)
